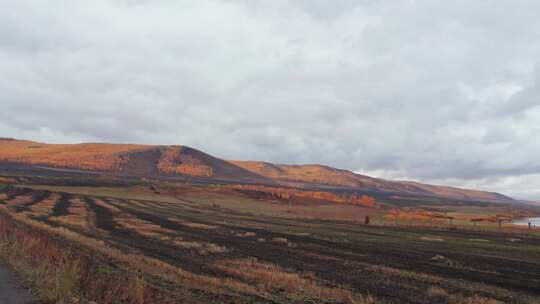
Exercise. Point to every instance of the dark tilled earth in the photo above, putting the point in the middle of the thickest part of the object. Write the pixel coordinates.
(395, 265)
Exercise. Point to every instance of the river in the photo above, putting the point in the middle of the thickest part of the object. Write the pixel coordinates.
(535, 221)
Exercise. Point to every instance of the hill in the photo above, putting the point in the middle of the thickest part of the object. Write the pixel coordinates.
(318, 175)
(180, 161)
(124, 159)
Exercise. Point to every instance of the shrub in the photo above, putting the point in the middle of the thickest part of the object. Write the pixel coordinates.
(59, 275)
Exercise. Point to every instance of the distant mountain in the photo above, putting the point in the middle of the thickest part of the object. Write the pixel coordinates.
(310, 175)
(129, 159)
(171, 161)
(529, 202)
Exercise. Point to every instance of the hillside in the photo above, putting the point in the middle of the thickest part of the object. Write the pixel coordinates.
(327, 176)
(170, 161)
(138, 160)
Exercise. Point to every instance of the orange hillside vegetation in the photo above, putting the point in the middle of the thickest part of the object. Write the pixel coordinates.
(148, 160)
(297, 175)
(103, 157)
(173, 161)
(285, 194)
(139, 160)
(308, 174)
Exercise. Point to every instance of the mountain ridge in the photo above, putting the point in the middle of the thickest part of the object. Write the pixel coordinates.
(164, 161)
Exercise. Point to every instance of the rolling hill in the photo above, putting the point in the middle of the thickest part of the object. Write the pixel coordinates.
(159, 161)
(309, 175)
(137, 160)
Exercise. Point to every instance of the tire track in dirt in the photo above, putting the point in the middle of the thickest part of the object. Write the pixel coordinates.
(62, 205)
(37, 197)
(286, 257)
(13, 192)
(130, 242)
(187, 259)
(335, 259)
(104, 218)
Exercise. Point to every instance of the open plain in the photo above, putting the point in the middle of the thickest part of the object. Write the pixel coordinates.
(181, 243)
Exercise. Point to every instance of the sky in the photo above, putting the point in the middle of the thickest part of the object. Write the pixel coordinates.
(445, 92)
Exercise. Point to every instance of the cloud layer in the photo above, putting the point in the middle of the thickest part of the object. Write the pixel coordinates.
(439, 91)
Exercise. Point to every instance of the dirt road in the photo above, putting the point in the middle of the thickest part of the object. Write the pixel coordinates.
(10, 291)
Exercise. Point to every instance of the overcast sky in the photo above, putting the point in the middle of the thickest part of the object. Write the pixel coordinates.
(438, 91)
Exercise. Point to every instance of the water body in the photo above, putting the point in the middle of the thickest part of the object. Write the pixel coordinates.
(535, 221)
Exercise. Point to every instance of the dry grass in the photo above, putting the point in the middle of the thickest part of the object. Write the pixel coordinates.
(437, 292)
(110, 208)
(45, 206)
(157, 268)
(136, 288)
(131, 193)
(192, 224)
(480, 300)
(431, 239)
(250, 281)
(404, 273)
(78, 215)
(201, 247)
(141, 226)
(106, 157)
(246, 234)
(284, 241)
(137, 285)
(443, 260)
(39, 262)
(441, 294)
(20, 200)
(280, 240)
(270, 278)
(59, 275)
(458, 299)
(145, 264)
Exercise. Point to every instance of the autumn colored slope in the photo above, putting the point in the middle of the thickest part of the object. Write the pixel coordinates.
(138, 160)
(170, 161)
(310, 175)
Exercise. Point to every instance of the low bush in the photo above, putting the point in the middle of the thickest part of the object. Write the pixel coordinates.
(60, 275)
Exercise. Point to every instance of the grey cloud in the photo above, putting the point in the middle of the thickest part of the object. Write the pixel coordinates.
(431, 90)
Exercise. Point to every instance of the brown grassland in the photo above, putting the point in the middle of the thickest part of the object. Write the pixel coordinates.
(84, 156)
(183, 243)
